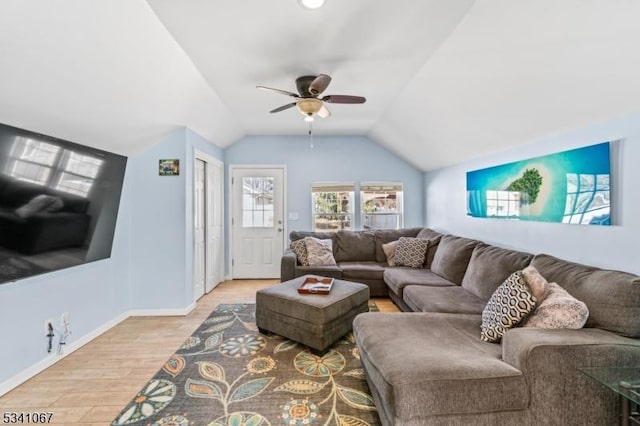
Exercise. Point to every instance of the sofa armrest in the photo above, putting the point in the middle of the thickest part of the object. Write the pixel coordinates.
(560, 394)
(288, 265)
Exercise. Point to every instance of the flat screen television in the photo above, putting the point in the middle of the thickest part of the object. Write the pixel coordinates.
(58, 203)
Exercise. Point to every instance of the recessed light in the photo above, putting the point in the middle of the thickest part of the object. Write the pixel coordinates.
(311, 4)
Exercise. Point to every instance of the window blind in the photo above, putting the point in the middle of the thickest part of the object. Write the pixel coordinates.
(381, 186)
(333, 187)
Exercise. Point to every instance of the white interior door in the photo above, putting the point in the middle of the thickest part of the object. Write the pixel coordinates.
(215, 248)
(199, 229)
(257, 222)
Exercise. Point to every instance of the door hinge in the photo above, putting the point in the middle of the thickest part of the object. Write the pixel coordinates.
(233, 262)
(233, 221)
(233, 181)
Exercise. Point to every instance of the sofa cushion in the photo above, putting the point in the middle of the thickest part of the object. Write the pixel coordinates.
(299, 247)
(426, 365)
(397, 278)
(355, 246)
(332, 271)
(319, 252)
(383, 236)
(390, 252)
(434, 239)
(508, 306)
(558, 310)
(355, 271)
(411, 252)
(489, 266)
(452, 257)
(451, 299)
(613, 297)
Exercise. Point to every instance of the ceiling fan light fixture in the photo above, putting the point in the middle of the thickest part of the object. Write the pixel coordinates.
(311, 4)
(309, 106)
(309, 118)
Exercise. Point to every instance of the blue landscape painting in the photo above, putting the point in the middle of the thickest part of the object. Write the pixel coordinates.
(568, 187)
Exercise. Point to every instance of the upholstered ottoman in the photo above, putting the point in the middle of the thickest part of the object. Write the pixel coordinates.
(314, 320)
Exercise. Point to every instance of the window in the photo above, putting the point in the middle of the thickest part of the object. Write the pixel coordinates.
(50, 165)
(33, 160)
(381, 205)
(503, 203)
(587, 199)
(332, 206)
(257, 202)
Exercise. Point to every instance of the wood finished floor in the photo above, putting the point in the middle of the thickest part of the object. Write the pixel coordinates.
(93, 384)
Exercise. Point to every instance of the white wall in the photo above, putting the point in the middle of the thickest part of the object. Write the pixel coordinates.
(616, 247)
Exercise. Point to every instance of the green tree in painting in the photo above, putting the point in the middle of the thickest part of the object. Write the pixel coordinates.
(529, 183)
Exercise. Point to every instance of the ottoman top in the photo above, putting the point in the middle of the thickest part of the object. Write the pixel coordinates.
(340, 290)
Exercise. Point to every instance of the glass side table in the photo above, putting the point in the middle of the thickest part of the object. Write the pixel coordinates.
(624, 382)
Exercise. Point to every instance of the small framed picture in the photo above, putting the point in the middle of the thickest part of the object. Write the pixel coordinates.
(169, 167)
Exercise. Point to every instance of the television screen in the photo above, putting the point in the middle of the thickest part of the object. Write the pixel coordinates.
(58, 203)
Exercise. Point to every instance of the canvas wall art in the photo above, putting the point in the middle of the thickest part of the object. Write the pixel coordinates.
(568, 187)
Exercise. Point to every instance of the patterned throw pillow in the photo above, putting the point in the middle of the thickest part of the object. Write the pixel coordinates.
(509, 304)
(411, 252)
(558, 310)
(319, 252)
(300, 249)
(390, 252)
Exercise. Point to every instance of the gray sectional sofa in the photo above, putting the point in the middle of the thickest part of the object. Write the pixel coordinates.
(428, 365)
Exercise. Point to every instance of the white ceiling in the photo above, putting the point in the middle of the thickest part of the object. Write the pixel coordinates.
(445, 80)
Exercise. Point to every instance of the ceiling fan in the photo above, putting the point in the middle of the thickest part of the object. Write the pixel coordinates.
(308, 99)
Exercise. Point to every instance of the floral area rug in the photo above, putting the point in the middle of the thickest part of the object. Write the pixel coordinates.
(228, 374)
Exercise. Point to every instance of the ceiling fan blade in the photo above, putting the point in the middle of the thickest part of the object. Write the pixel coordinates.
(319, 84)
(344, 99)
(324, 112)
(284, 92)
(283, 107)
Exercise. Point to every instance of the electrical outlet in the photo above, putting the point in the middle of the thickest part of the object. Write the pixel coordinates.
(48, 325)
(64, 320)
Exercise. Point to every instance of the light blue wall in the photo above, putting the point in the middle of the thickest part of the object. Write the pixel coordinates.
(614, 247)
(93, 294)
(149, 268)
(333, 159)
(162, 223)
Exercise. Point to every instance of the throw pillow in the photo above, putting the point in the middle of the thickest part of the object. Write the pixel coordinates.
(300, 249)
(411, 251)
(558, 310)
(319, 252)
(390, 251)
(35, 205)
(538, 284)
(509, 304)
(56, 205)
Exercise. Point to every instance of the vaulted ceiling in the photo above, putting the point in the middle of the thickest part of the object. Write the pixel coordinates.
(445, 80)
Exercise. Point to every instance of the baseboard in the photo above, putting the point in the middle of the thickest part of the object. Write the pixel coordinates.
(162, 312)
(50, 360)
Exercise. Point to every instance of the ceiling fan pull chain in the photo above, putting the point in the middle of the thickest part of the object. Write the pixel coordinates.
(310, 135)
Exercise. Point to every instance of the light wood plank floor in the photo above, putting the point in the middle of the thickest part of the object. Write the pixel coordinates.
(92, 385)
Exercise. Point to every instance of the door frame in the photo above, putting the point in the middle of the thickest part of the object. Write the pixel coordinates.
(232, 168)
(209, 264)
